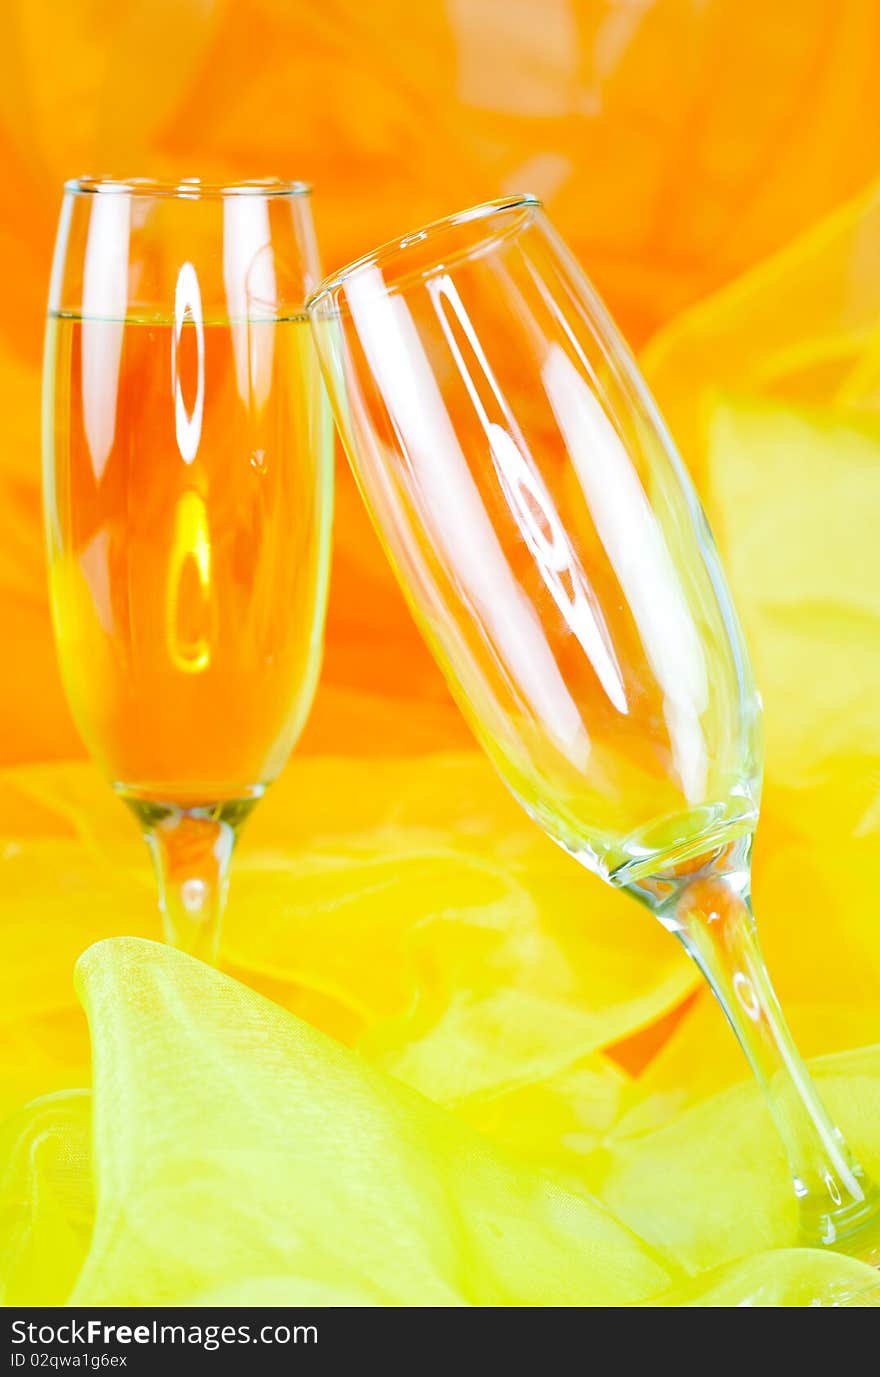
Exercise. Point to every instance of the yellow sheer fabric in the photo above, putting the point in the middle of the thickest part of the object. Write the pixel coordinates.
(444, 1065)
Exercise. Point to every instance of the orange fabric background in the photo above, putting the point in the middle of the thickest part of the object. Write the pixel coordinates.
(675, 143)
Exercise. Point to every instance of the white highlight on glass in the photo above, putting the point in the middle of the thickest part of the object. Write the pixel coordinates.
(104, 304)
(530, 501)
(745, 993)
(188, 307)
(636, 548)
(193, 893)
(560, 569)
(453, 511)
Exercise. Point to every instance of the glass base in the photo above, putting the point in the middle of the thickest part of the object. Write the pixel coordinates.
(853, 1229)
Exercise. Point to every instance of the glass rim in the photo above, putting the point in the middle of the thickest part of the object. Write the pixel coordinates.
(185, 188)
(484, 210)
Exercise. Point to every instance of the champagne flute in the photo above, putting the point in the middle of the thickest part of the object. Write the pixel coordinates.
(552, 549)
(188, 492)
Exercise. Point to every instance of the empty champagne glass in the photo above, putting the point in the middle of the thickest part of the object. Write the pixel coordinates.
(187, 485)
(553, 551)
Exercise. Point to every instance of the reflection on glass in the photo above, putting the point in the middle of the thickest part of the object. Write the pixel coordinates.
(188, 631)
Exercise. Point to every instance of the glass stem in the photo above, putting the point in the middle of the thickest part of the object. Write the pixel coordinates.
(712, 917)
(192, 853)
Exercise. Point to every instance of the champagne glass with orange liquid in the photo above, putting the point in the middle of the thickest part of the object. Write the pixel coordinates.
(188, 496)
(554, 553)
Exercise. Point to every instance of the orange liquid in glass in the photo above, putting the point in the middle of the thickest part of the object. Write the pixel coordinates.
(188, 506)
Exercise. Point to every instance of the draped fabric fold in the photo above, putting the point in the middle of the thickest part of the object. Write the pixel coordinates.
(232, 1154)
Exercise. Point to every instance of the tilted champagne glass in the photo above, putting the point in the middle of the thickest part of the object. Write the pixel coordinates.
(188, 486)
(553, 551)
